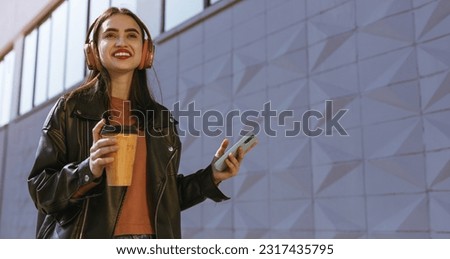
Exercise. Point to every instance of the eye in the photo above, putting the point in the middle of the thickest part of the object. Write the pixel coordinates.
(133, 36)
(109, 35)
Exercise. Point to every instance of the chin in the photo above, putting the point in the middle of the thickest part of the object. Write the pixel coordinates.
(122, 69)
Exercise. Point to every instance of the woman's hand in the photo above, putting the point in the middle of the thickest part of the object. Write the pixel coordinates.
(233, 162)
(101, 148)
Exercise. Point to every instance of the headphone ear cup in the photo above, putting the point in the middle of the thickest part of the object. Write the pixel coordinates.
(89, 56)
(148, 50)
(92, 61)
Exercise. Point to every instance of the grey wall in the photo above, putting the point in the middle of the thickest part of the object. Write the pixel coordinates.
(387, 62)
(18, 214)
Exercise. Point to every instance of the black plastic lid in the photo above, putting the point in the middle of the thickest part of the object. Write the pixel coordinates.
(116, 129)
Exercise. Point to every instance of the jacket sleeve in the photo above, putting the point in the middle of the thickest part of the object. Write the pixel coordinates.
(190, 188)
(196, 187)
(53, 180)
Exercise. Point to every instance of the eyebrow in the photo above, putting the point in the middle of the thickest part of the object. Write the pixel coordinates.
(126, 30)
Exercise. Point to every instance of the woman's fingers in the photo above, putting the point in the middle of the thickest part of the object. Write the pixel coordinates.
(221, 150)
(103, 143)
(102, 162)
(103, 147)
(100, 150)
(96, 130)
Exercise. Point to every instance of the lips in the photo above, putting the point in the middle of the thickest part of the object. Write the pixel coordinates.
(121, 54)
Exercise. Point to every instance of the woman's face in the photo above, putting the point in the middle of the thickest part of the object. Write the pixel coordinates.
(120, 44)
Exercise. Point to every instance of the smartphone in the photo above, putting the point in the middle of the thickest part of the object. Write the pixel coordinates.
(245, 142)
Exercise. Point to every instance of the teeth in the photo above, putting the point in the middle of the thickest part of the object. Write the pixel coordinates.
(121, 54)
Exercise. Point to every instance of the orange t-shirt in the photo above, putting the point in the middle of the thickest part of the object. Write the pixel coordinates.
(134, 216)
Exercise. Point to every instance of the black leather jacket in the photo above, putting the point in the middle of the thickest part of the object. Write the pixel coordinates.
(62, 167)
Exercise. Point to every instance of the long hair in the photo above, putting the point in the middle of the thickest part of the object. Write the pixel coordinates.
(141, 97)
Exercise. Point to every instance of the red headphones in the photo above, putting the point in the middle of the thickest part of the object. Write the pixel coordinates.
(93, 60)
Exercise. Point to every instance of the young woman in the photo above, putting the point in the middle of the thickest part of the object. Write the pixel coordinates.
(68, 181)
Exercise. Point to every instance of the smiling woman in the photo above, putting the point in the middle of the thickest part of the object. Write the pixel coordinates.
(69, 182)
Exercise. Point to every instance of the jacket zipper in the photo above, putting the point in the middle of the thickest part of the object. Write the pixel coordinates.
(83, 224)
(120, 211)
(162, 192)
(157, 206)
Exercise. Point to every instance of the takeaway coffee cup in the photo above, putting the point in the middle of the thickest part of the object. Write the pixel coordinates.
(120, 172)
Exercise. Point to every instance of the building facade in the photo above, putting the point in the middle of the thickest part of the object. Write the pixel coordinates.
(351, 101)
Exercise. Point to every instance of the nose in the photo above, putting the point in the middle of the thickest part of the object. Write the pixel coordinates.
(120, 41)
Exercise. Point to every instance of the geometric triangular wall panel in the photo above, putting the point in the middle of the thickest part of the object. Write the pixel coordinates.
(435, 92)
(438, 170)
(399, 213)
(339, 179)
(394, 138)
(434, 56)
(440, 212)
(432, 20)
(339, 214)
(437, 130)
(387, 34)
(391, 102)
(394, 175)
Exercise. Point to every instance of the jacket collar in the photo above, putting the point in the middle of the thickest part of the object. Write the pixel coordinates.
(90, 105)
(93, 104)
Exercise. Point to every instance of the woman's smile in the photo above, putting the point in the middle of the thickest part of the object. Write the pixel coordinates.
(122, 54)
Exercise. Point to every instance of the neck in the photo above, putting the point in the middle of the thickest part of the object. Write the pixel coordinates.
(120, 85)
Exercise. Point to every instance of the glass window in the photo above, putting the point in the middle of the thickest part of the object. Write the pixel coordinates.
(6, 86)
(58, 50)
(97, 7)
(75, 62)
(28, 72)
(129, 4)
(43, 54)
(178, 11)
(2, 90)
(150, 11)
